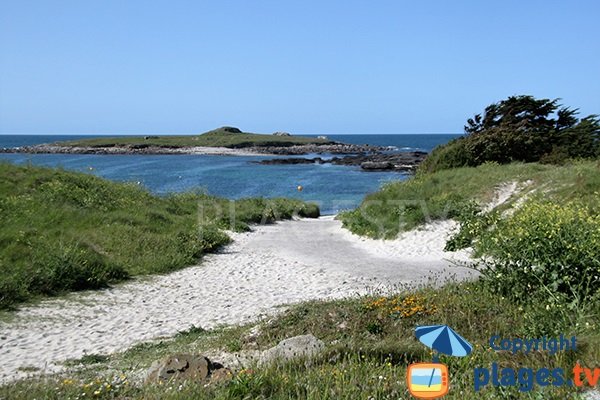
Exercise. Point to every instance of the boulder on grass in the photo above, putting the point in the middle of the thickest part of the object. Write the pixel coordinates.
(293, 348)
(187, 367)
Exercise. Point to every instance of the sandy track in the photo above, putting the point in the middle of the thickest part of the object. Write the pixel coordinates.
(277, 264)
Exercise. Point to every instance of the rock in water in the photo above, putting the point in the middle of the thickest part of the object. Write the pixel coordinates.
(377, 165)
(294, 347)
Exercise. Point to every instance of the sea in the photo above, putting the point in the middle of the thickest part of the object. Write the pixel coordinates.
(334, 187)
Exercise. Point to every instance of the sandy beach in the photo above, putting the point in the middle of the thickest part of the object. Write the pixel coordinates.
(259, 272)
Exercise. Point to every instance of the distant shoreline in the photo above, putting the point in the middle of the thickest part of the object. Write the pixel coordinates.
(368, 158)
(129, 149)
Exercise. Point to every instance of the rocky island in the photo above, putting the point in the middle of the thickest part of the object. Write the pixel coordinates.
(224, 140)
(229, 140)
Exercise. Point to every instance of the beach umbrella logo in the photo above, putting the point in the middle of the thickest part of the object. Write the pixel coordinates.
(431, 380)
(444, 340)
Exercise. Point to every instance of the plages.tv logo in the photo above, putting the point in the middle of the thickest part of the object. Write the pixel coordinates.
(431, 380)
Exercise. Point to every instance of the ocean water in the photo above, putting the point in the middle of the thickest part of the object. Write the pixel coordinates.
(333, 187)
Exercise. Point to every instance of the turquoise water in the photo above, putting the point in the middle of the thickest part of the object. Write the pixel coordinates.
(333, 187)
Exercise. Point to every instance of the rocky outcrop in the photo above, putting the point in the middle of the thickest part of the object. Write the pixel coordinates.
(145, 149)
(403, 162)
(186, 367)
(195, 367)
(297, 347)
(128, 149)
(376, 165)
(281, 134)
(303, 346)
(332, 148)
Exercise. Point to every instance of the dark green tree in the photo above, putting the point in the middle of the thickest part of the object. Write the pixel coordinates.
(520, 128)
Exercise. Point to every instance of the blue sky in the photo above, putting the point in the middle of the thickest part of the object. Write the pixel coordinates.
(103, 66)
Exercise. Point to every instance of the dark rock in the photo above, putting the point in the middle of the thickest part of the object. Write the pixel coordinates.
(187, 367)
(332, 148)
(138, 146)
(403, 162)
(179, 366)
(376, 165)
(289, 161)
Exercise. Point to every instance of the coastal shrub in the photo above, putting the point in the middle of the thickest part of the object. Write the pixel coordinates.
(70, 266)
(546, 248)
(402, 206)
(451, 193)
(64, 231)
(237, 215)
(520, 128)
(53, 267)
(473, 223)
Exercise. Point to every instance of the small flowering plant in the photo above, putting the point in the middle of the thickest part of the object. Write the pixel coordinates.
(401, 306)
(544, 245)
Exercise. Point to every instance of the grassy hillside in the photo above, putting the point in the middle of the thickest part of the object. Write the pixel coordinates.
(541, 245)
(222, 137)
(66, 231)
(450, 193)
(369, 343)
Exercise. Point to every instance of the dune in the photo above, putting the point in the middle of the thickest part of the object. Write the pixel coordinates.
(261, 271)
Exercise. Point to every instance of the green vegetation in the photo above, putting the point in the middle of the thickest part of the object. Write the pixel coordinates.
(370, 339)
(520, 128)
(539, 250)
(452, 193)
(369, 342)
(547, 246)
(222, 137)
(64, 231)
(539, 276)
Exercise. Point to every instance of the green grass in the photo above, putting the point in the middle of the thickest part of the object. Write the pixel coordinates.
(449, 193)
(64, 231)
(356, 363)
(215, 138)
(370, 339)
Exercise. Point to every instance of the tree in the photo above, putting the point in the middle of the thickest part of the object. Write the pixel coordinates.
(520, 128)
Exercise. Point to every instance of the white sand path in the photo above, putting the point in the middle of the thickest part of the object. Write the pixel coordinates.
(276, 264)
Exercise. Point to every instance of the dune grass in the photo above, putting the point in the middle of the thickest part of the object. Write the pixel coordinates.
(64, 231)
(401, 206)
(215, 138)
(370, 339)
(369, 343)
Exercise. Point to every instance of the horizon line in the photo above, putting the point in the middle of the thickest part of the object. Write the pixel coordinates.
(190, 134)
